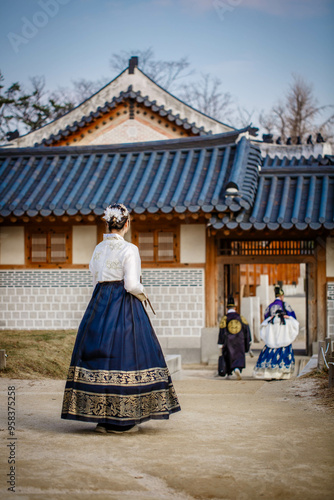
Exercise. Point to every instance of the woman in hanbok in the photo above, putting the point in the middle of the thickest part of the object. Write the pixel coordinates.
(118, 376)
(279, 330)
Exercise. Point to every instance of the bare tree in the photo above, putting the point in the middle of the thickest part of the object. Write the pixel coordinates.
(301, 107)
(267, 122)
(326, 129)
(83, 88)
(295, 115)
(244, 117)
(206, 96)
(280, 117)
(165, 73)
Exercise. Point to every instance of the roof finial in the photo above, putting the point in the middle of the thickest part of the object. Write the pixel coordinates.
(133, 63)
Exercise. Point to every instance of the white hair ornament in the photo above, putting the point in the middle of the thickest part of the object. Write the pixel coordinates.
(114, 212)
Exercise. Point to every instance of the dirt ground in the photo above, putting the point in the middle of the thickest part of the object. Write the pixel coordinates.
(233, 440)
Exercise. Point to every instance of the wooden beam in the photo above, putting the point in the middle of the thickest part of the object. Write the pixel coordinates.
(266, 259)
(101, 229)
(321, 288)
(311, 306)
(211, 292)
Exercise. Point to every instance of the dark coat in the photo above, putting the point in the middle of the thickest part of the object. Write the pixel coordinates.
(235, 336)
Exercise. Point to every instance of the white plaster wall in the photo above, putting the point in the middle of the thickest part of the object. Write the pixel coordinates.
(84, 241)
(192, 243)
(330, 257)
(129, 131)
(250, 309)
(12, 245)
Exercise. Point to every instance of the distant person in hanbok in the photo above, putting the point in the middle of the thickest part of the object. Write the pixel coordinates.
(118, 376)
(235, 340)
(278, 331)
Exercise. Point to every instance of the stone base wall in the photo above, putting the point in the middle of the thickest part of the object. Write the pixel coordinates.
(57, 299)
(43, 308)
(179, 310)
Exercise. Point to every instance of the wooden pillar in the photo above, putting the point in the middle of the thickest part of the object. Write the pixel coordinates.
(321, 289)
(211, 282)
(101, 229)
(311, 306)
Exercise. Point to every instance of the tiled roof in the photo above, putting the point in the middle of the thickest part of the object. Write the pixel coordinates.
(217, 174)
(108, 106)
(214, 173)
(291, 193)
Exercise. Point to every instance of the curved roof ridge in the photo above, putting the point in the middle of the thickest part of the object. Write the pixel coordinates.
(128, 94)
(139, 81)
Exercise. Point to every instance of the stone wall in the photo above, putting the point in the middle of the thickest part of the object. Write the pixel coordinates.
(39, 299)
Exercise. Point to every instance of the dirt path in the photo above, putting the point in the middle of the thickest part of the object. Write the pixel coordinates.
(232, 440)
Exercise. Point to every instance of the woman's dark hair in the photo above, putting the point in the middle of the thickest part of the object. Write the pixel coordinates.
(116, 221)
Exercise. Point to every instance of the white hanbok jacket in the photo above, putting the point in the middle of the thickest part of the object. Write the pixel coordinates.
(115, 259)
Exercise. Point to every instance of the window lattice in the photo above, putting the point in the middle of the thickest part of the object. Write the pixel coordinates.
(156, 245)
(48, 247)
(146, 246)
(38, 247)
(58, 247)
(266, 247)
(165, 246)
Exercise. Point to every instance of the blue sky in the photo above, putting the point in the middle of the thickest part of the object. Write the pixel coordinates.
(253, 46)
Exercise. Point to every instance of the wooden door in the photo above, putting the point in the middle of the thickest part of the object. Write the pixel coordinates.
(228, 284)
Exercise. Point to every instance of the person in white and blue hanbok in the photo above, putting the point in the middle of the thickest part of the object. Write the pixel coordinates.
(278, 331)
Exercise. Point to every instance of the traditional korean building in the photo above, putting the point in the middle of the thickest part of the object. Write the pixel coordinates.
(209, 213)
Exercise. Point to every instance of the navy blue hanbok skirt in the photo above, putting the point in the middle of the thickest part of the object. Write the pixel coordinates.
(275, 363)
(118, 374)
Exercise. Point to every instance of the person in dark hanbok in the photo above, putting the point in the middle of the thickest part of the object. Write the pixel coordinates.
(276, 360)
(235, 339)
(118, 376)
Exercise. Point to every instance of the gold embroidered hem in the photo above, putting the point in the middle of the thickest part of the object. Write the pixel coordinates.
(134, 407)
(117, 377)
